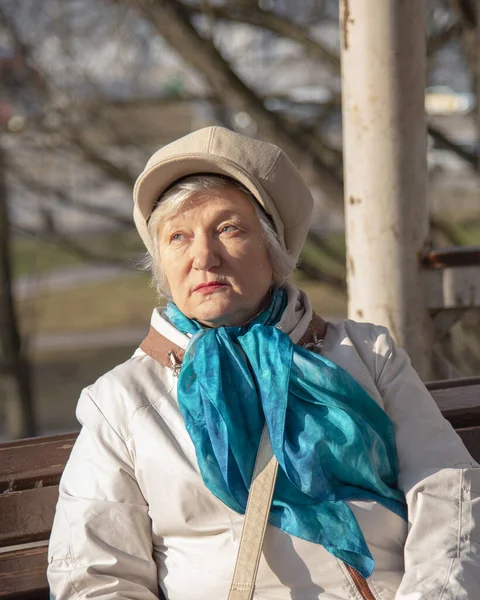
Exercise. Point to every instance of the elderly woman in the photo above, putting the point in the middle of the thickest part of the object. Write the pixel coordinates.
(376, 497)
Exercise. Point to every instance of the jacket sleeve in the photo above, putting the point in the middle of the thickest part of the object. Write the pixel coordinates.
(101, 542)
(441, 482)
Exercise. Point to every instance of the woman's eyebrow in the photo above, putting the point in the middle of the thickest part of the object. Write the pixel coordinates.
(178, 221)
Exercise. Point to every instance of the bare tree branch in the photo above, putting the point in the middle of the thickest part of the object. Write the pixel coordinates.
(74, 133)
(40, 187)
(172, 23)
(252, 15)
(36, 78)
(248, 13)
(437, 41)
(445, 142)
(91, 154)
(468, 11)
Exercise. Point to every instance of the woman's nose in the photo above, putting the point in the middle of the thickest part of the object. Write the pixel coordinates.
(205, 253)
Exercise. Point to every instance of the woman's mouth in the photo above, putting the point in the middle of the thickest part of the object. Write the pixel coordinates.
(207, 288)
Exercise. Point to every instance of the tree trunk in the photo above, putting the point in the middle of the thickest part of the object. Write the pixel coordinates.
(15, 371)
(384, 138)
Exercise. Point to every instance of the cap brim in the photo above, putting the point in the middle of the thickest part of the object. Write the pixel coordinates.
(152, 183)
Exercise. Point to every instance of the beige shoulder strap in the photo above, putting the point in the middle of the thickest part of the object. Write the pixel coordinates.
(261, 494)
(256, 516)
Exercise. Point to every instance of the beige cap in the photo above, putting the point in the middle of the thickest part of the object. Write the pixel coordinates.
(264, 169)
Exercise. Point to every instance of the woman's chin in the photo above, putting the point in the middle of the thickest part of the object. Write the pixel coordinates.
(218, 313)
(216, 318)
(223, 307)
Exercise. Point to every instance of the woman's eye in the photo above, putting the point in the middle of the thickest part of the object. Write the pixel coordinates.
(175, 237)
(227, 228)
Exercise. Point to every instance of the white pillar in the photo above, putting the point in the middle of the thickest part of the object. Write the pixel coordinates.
(384, 141)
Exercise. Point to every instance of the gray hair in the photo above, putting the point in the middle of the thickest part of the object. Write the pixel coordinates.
(173, 200)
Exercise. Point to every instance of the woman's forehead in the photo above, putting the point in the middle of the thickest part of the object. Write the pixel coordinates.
(228, 199)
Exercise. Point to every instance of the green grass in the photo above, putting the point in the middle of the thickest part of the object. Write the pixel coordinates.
(469, 234)
(123, 302)
(326, 300)
(448, 232)
(328, 259)
(37, 255)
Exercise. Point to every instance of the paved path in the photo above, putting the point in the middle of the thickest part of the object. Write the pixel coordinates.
(27, 286)
(110, 338)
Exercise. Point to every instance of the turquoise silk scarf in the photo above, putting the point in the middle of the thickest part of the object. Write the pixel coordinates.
(332, 441)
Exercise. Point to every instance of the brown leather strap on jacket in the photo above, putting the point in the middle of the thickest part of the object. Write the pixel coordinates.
(160, 348)
(169, 354)
(315, 333)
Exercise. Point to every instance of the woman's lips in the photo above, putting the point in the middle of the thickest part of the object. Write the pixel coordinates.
(207, 288)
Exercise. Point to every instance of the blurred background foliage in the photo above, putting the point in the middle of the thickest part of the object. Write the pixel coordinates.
(90, 88)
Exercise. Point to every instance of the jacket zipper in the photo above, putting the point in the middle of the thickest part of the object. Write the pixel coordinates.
(361, 584)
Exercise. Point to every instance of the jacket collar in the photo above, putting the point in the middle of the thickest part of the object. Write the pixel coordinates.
(166, 344)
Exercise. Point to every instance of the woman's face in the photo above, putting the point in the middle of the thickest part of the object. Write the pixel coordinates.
(215, 258)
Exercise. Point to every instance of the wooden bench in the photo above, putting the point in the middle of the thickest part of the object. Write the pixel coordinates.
(30, 470)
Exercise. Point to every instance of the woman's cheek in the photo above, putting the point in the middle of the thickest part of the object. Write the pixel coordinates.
(245, 248)
(175, 252)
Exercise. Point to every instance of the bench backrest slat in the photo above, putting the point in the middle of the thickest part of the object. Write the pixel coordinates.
(22, 574)
(460, 405)
(443, 384)
(27, 516)
(34, 462)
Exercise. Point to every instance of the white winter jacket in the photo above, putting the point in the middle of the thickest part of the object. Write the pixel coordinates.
(134, 516)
